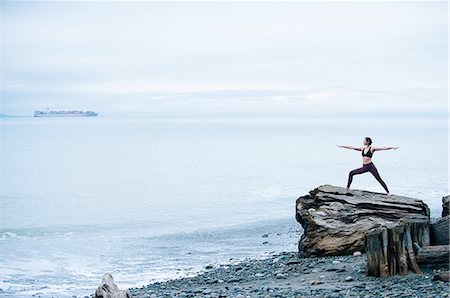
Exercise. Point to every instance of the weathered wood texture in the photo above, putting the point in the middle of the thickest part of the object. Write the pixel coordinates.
(335, 219)
(445, 206)
(108, 289)
(377, 252)
(434, 254)
(440, 231)
(390, 249)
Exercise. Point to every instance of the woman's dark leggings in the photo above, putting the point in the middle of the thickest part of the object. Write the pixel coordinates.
(370, 167)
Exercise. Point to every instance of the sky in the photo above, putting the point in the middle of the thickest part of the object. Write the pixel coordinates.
(297, 58)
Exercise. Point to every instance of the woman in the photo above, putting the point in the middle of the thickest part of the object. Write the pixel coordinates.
(368, 166)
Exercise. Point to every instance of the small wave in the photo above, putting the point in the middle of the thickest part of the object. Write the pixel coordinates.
(11, 235)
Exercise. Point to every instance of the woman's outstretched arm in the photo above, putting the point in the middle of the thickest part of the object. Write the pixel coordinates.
(385, 148)
(350, 147)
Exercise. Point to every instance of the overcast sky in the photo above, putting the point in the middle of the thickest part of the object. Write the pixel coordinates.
(218, 58)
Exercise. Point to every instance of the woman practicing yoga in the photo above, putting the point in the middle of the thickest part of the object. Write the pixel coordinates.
(368, 166)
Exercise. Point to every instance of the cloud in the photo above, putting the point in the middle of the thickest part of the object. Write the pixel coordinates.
(289, 57)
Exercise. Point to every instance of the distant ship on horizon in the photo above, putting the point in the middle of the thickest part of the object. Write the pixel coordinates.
(73, 113)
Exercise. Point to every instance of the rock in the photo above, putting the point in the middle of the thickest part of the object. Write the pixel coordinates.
(445, 206)
(348, 278)
(315, 282)
(234, 279)
(443, 276)
(335, 219)
(108, 289)
(294, 262)
(357, 254)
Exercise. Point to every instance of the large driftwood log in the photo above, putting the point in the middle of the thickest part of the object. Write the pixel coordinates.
(433, 254)
(440, 227)
(335, 219)
(440, 231)
(390, 249)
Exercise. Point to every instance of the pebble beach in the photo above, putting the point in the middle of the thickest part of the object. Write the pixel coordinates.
(288, 275)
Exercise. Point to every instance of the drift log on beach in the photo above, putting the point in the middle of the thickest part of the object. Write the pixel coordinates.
(390, 249)
(335, 219)
(108, 289)
(438, 254)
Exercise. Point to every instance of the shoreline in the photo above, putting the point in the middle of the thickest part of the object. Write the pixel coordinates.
(287, 275)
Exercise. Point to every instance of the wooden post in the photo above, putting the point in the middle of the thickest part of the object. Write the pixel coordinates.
(412, 262)
(377, 252)
(396, 251)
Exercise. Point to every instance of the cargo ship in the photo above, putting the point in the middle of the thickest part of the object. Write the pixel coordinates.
(74, 113)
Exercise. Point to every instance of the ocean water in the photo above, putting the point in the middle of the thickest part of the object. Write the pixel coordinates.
(148, 199)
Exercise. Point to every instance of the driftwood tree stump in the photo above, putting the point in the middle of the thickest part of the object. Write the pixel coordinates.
(390, 249)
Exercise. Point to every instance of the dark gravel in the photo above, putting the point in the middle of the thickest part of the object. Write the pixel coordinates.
(287, 275)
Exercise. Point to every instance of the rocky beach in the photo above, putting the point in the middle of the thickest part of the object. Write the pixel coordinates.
(331, 261)
(288, 275)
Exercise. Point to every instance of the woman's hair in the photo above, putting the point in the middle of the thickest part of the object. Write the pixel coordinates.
(369, 140)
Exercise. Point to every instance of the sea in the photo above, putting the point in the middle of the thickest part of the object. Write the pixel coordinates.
(150, 199)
